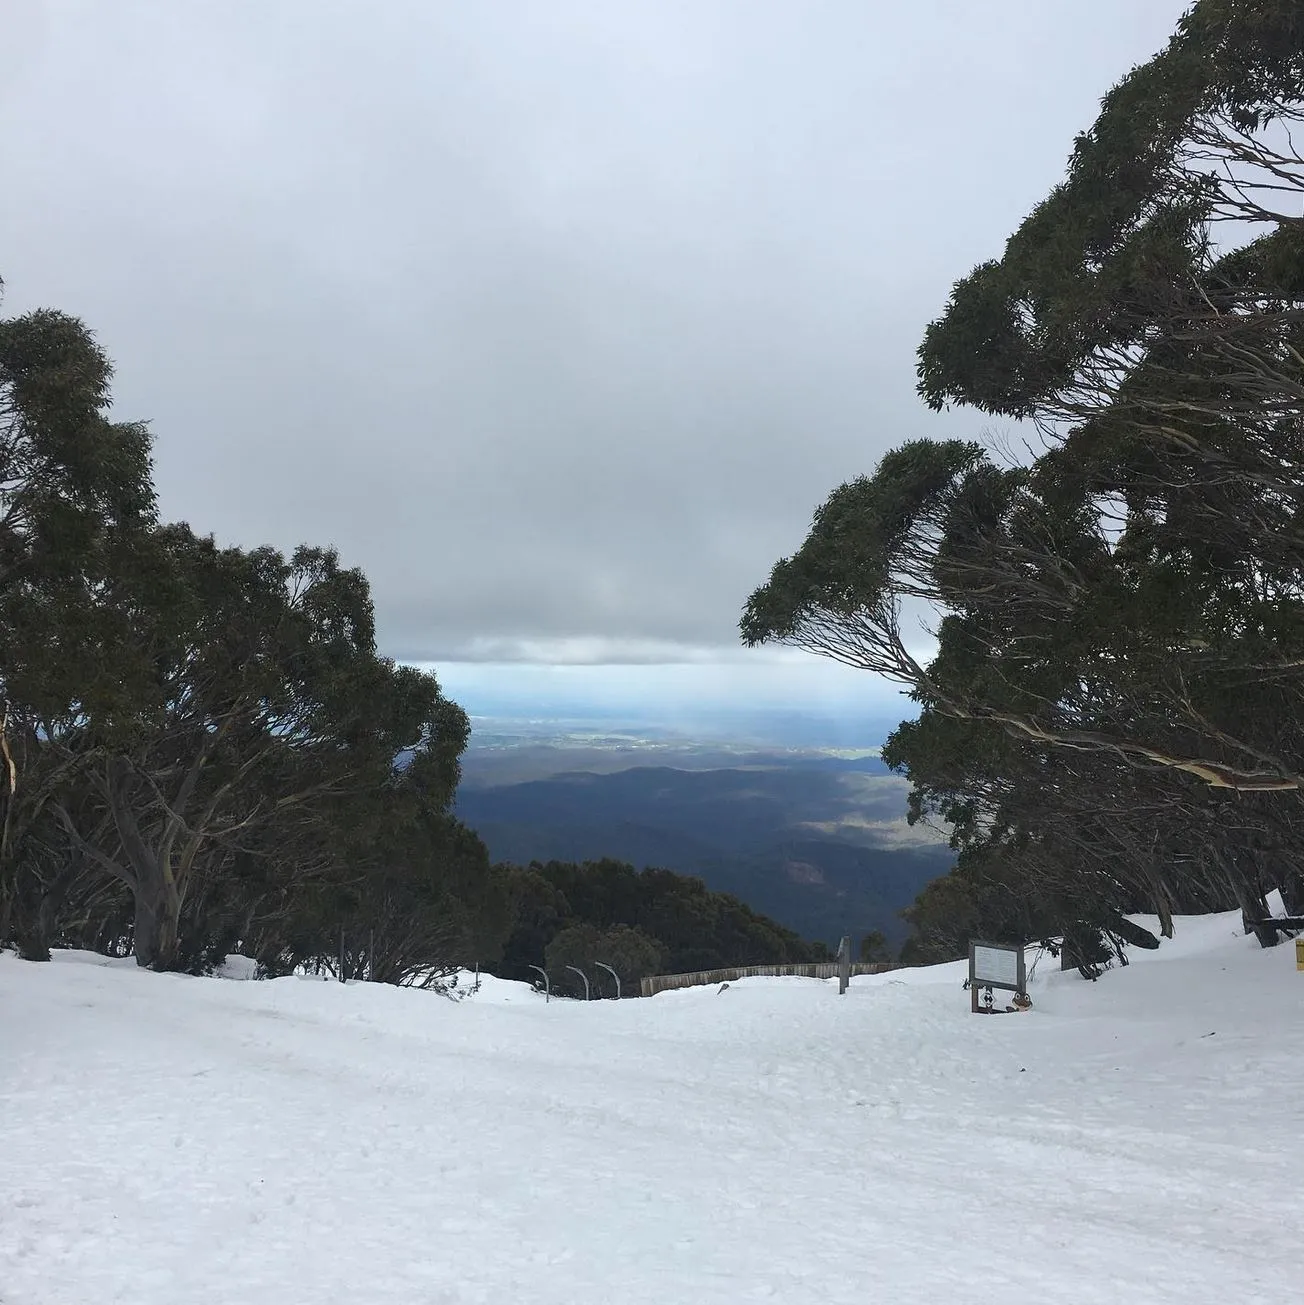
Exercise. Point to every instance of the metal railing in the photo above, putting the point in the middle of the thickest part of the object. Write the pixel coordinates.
(655, 983)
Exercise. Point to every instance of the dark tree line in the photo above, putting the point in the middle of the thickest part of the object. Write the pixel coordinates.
(639, 923)
(202, 750)
(198, 743)
(1112, 719)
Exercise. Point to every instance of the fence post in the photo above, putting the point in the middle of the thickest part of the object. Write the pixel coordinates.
(844, 965)
(575, 969)
(613, 974)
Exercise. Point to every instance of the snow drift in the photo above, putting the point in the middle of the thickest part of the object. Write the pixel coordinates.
(176, 1141)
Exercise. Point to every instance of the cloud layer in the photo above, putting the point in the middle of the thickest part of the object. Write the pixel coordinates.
(559, 318)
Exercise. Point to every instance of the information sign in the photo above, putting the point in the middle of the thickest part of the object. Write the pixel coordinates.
(992, 965)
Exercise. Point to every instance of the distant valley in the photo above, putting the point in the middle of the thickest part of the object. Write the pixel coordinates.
(817, 841)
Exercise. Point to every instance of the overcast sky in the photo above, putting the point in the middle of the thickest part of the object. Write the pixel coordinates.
(559, 317)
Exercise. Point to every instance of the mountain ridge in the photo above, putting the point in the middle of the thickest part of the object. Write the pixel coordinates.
(817, 844)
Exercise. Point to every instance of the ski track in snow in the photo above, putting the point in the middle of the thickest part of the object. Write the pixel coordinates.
(176, 1141)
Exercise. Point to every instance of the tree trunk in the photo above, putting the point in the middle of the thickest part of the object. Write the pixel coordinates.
(1162, 900)
(158, 899)
(35, 944)
(157, 927)
(6, 911)
(1253, 910)
(1290, 884)
(145, 930)
(169, 931)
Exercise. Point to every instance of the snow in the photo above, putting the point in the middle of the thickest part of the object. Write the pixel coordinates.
(238, 967)
(176, 1141)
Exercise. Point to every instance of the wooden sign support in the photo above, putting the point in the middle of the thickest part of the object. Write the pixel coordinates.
(995, 966)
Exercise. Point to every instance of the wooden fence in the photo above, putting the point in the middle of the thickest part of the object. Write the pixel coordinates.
(655, 983)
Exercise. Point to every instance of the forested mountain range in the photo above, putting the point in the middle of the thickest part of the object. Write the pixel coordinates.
(817, 844)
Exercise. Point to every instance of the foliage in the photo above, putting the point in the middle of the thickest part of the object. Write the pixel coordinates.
(200, 743)
(74, 486)
(875, 949)
(1112, 717)
(204, 751)
(653, 921)
(628, 951)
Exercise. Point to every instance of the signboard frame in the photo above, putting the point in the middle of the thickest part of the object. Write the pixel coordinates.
(977, 980)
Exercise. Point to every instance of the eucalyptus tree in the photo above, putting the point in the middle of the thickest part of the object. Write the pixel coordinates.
(1120, 617)
(257, 696)
(75, 490)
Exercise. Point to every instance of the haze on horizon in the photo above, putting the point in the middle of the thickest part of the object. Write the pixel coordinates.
(807, 703)
(559, 319)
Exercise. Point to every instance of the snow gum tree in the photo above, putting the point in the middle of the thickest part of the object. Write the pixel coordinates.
(74, 490)
(258, 696)
(1120, 612)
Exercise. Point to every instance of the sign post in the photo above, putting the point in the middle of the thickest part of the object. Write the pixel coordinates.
(994, 965)
(844, 965)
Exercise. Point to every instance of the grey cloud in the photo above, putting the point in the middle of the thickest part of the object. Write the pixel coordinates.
(559, 318)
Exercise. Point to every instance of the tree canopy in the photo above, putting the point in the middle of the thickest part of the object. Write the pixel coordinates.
(192, 735)
(203, 750)
(1111, 718)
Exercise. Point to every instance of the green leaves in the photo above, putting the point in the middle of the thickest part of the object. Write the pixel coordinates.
(869, 541)
(639, 922)
(629, 951)
(1120, 621)
(187, 711)
(58, 448)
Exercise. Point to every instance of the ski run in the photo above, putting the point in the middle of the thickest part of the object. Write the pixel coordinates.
(167, 1140)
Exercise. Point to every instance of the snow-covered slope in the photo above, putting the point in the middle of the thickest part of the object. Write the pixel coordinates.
(175, 1141)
